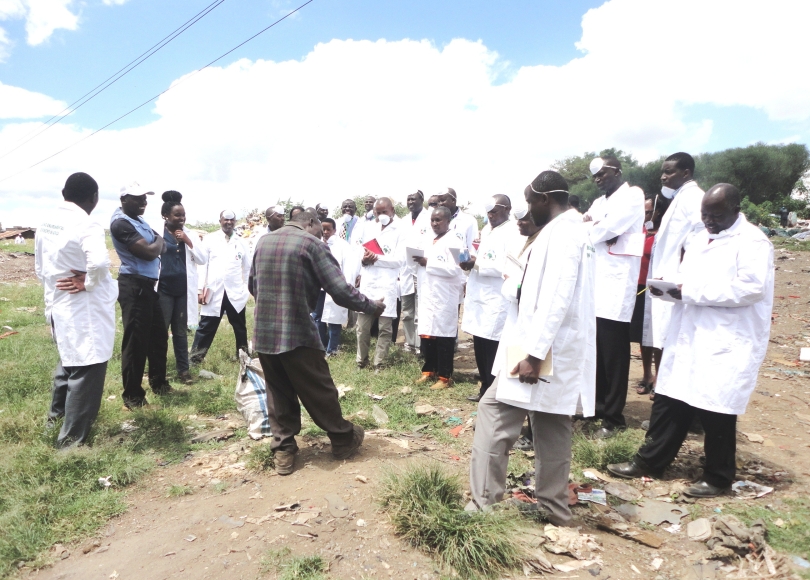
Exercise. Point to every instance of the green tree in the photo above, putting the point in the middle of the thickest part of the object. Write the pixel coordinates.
(575, 170)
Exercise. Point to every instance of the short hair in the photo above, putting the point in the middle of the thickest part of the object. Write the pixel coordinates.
(171, 198)
(419, 193)
(503, 200)
(79, 188)
(612, 161)
(683, 161)
(446, 213)
(552, 183)
(296, 208)
(304, 217)
(350, 201)
(329, 221)
(573, 201)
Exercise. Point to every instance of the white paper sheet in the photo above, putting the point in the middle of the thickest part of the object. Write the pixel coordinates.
(411, 253)
(663, 286)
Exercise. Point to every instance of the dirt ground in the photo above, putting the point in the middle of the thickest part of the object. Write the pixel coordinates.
(223, 534)
(16, 267)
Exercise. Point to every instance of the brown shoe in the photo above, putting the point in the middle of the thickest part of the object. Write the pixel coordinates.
(185, 378)
(357, 441)
(426, 377)
(442, 384)
(284, 461)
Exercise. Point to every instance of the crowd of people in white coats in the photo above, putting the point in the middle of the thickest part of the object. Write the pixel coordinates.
(552, 298)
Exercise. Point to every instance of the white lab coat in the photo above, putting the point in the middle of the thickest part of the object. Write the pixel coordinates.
(380, 280)
(440, 284)
(681, 219)
(484, 305)
(83, 323)
(414, 235)
(466, 228)
(194, 257)
(344, 254)
(719, 332)
(616, 276)
(556, 311)
(226, 269)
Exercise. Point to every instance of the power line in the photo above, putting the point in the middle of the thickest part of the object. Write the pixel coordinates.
(115, 77)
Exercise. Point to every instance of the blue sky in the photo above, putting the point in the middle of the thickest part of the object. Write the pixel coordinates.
(548, 79)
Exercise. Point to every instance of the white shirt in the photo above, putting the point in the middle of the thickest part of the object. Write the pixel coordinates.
(484, 305)
(466, 228)
(414, 235)
(556, 312)
(379, 281)
(680, 221)
(344, 254)
(440, 284)
(194, 257)
(83, 323)
(226, 270)
(616, 274)
(719, 332)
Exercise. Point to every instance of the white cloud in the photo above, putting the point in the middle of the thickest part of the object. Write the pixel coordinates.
(357, 117)
(115, 2)
(17, 103)
(42, 18)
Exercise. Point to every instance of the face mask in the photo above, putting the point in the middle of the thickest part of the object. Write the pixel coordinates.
(650, 225)
(384, 219)
(370, 215)
(667, 192)
(347, 217)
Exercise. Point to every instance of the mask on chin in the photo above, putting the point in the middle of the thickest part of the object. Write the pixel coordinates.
(649, 226)
(384, 219)
(347, 217)
(668, 192)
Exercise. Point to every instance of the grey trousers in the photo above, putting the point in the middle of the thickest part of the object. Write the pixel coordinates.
(77, 395)
(408, 317)
(364, 322)
(496, 430)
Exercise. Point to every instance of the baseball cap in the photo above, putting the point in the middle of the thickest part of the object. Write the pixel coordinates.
(134, 188)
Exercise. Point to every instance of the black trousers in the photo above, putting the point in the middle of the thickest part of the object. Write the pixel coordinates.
(612, 371)
(669, 423)
(145, 336)
(207, 330)
(302, 375)
(485, 350)
(438, 353)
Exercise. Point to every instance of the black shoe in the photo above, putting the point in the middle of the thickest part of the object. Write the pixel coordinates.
(474, 398)
(185, 378)
(135, 403)
(606, 432)
(702, 489)
(629, 470)
(163, 388)
(524, 444)
(357, 441)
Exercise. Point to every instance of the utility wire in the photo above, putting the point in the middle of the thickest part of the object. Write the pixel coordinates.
(146, 102)
(115, 77)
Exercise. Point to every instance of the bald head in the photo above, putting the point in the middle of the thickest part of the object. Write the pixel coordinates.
(720, 207)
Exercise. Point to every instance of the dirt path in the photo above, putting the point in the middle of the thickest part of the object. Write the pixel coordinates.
(218, 534)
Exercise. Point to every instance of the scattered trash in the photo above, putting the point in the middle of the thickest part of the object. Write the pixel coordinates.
(105, 481)
(287, 507)
(230, 522)
(636, 570)
(204, 374)
(7, 334)
(454, 421)
(800, 562)
(456, 431)
(60, 552)
(755, 437)
(361, 523)
(361, 478)
(673, 528)
(26, 309)
(375, 397)
(570, 541)
(336, 506)
(128, 426)
(342, 390)
(699, 530)
(219, 435)
(251, 396)
(111, 398)
(804, 355)
(595, 475)
(169, 554)
(406, 390)
(622, 491)
(653, 512)
(424, 409)
(749, 490)
(304, 517)
(593, 496)
(400, 442)
(730, 537)
(380, 416)
(625, 531)
(779, 523)
(190, 538)
(114, 575)
(656, 563)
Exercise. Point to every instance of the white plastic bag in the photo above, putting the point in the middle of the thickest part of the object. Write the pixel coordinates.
(251, 396)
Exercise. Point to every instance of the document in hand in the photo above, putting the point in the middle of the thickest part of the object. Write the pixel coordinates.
(663, 286)
(628, 245)
(411, 253)
(374, 246)
(456, 254)
(515, 354)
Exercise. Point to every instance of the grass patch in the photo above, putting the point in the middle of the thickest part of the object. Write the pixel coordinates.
(793, 537)
(289, 567)
(260, 458)
(180, 491)
(424, 503)
(598, 453)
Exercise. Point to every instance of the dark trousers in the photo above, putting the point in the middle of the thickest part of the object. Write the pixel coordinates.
(485, 350)
(669, 422)
(612, 371)
(302, 375)
(76, 396)
(175, 316)
(395, 325)
(330, 336)
(145, 337)
(207, 330)
(438, 353)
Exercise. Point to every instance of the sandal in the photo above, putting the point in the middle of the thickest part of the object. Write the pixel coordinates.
(644, 388)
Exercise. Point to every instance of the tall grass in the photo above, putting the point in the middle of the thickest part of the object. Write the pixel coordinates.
(424, 504)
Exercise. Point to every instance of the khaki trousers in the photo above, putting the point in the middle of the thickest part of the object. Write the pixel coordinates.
(408, 317)
(364, 322)
(496, 430)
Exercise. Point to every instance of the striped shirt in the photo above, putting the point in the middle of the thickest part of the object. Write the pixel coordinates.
(289, 269)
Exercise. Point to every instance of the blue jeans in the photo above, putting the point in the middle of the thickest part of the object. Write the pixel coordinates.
(330, 336)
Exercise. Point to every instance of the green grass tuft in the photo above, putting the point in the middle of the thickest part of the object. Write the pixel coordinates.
(598, 453)
(289, 567)
(424, 503)
(793, 537)
(180, 490)
(260, 458)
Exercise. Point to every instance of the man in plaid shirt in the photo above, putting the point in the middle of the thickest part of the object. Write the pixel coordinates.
(289, 269)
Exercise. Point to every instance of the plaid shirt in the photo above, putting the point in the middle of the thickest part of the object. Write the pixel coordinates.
(289, 269)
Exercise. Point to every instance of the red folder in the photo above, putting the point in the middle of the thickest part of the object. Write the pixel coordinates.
(374, 246)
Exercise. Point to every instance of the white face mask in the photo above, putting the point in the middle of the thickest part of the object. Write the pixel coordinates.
(650, 225)
(384, 219)
(668, 192)
(370, 215)
(347, 217)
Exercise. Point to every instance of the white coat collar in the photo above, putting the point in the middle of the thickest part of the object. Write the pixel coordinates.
(687, 185)
(734, 230)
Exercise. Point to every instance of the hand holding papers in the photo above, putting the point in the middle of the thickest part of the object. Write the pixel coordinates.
(661, 290)
(515, 356)
(412, 253)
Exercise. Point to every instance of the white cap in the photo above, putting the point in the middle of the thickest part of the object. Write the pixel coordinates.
(277, 209)
(597, 164)
(228, 214)
(520, 212)
(134, 188)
